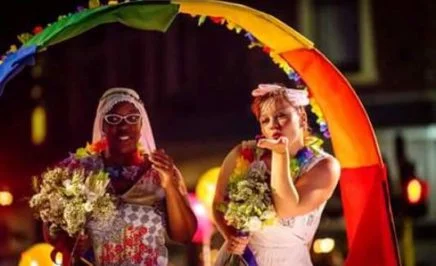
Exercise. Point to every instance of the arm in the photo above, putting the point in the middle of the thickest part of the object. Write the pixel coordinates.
(310, 191)
(181, 219)
(235, 244)
(226, 170)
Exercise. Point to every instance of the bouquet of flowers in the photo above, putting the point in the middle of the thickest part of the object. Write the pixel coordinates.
(74, 192)
(67, 198)
(71, 194)
(248, 207)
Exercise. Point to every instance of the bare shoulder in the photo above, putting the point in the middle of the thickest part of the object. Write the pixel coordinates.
(233, 155)
(329, 168)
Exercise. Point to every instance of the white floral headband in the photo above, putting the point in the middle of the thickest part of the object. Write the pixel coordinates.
(296, 97)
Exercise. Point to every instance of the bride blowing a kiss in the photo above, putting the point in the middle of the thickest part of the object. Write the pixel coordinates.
(301, 177)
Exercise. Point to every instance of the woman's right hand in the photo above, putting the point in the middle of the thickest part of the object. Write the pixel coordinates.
(83, 244)
(237, 244)
(62, 239)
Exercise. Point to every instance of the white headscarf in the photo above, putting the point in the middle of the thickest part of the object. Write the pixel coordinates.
(116, 95)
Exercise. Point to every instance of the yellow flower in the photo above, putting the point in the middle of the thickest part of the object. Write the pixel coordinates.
(316, 109)
(24, 37)
(278, 60)
(93, 3)
(230, 25)
(81, 153)
(241, 166)
(13, 48)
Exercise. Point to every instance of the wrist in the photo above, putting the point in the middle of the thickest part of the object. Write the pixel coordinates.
(280, 154)
(169, 184)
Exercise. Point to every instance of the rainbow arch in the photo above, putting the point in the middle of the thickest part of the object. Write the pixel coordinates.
(370, 234)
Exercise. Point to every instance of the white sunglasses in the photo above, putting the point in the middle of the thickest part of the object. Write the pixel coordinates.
(115, 119)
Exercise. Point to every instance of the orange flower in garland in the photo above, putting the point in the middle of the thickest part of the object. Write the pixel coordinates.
(139, 158)
(102, 145)
(97, 147)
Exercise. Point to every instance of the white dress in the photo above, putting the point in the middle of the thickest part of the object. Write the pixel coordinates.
(288, 242)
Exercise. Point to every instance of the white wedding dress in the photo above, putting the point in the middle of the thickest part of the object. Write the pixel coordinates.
(288, 242)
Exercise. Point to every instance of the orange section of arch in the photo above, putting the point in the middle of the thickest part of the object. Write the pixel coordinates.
(353, 138)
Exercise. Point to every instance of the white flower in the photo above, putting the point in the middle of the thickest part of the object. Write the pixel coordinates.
(69, 187)
(95, 186)
(66, 183)
(88, 206)
(254, 224)
(268, 215)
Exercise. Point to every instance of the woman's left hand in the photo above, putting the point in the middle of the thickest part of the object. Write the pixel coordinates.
(164, 165)
(279, 145)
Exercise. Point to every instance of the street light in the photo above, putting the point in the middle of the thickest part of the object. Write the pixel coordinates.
(416, 196)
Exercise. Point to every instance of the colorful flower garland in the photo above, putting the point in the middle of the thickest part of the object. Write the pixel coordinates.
(23, 38)
(249, 153)
(100, 146)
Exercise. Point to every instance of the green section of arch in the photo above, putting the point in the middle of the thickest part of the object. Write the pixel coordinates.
(138, 14)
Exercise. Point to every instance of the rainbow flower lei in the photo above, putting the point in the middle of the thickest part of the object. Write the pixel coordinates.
(248, 202)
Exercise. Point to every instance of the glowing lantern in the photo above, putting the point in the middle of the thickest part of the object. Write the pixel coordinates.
(205, 227)
(6, 198)
(206, 186)
(39, 255)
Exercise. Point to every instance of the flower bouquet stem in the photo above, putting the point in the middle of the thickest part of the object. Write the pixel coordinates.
(68, 252)
(246, 259)
(235, 260)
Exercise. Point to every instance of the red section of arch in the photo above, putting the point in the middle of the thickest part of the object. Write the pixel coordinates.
(371, 238)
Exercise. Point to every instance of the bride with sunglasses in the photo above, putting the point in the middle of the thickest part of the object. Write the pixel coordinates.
(151, 193)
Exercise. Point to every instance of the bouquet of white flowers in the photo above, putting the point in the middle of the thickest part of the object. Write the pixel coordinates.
(248, 206)
(68, 198)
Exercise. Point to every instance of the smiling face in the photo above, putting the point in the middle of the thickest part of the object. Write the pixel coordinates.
(122, 126)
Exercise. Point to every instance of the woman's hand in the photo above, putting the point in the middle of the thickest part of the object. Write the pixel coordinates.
(279, 145)
(63, 243)
(237, 244)
(164, 165)
(83, 244)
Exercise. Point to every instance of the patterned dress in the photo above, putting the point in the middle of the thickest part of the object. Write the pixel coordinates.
(137, 235)
(288, 242)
